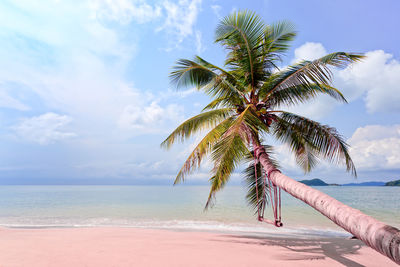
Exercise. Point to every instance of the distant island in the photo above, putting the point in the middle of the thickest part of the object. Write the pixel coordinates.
(314, 182)
(319, 182)
(393, 183)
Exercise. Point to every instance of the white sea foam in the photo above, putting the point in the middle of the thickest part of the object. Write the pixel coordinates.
(188, 225)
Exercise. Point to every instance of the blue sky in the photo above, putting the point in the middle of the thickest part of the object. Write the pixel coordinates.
(85, 95)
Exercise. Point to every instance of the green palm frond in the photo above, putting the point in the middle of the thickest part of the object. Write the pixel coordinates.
(202, 149)
(306, 157)
(277, 38)
(340, 59)
(189, 73)
(308, 139)
(297, 142)
(205, 76)
(229, 77)
(197, 123)
(229, 151)
(224, 101)
(243, 28)
(227, 154)
(308, 72)
(302, 93)
(218, 102)
(241, 33)
(257, 193)
(261, 187)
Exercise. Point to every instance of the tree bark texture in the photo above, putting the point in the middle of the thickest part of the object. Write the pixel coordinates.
(378, 235)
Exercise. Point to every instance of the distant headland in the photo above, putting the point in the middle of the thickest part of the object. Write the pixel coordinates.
(319, 182)
(393, 183)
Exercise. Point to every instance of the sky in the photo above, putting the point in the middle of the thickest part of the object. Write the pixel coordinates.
(85, 96)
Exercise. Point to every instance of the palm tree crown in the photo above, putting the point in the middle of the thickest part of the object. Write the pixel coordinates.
(247, 99)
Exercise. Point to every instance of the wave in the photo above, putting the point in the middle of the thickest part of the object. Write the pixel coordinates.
(257, 228)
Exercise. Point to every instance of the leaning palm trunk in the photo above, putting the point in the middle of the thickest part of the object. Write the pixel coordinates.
(379, 236)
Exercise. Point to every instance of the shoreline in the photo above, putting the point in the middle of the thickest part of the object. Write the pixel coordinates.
(129, 246)
(256, 228)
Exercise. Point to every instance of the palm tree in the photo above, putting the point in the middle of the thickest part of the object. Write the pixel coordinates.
(246, 110)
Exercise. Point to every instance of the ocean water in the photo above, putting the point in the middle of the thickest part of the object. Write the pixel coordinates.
(180, 208)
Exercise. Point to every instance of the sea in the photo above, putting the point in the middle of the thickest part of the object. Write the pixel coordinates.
(181, 208)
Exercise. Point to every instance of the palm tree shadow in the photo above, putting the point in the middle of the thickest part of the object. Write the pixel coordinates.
(307, 248)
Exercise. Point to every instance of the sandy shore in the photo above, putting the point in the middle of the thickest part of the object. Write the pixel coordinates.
(146, 247)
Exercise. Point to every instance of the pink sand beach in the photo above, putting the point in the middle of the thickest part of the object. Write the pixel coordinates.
(115, 246)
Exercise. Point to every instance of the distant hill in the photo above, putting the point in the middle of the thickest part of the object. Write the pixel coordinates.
(365, 184)
(319, 182)
(393, 183)
(314, 182)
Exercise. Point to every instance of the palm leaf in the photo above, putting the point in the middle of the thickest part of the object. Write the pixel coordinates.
(308, 72)
(241, 33)
(309, 139)
(227, 155)
(231, 149)
(229, 76)
(302, 93)
(278, 36)
(260, 188)
(276, 41)
(207, 77)
(202, 149)
(257, 193)
(195, 124)
(189, 73)
(218, 102)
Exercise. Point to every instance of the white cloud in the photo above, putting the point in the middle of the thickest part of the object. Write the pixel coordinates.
(315, 109)
(49, 26)
(120, 168)
(79, 67)
(199, 45)
(44, 129)
(178, 17)
(376, 147)
(150, 119)
(124, 11)
(309, 51)
(376, 79)
(168, 94)
(216, 9)
(6, 101)
(77, 77)
(181, 17)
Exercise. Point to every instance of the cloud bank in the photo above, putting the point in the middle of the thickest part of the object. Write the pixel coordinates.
(376, 147)
(44, 129)
(375, 79)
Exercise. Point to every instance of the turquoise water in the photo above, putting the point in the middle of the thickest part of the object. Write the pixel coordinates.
(179, 207)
